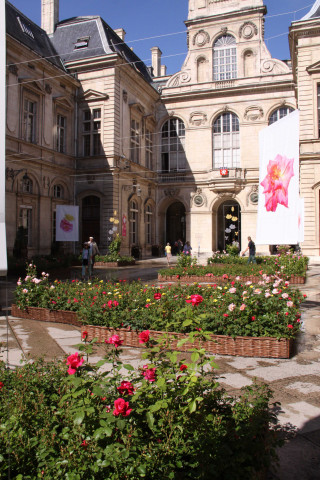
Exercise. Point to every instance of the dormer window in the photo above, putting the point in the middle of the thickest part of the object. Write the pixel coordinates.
(25, 28)
(82, 42)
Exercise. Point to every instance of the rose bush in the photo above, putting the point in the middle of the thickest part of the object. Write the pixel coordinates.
(237, 309)
(181, 425)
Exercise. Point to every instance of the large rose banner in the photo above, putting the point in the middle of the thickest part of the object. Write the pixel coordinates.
(279, 209)
(67, 223)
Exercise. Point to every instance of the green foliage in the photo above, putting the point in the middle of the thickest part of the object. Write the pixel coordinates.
(114, 247)
(269, 309)
(184, 260)
(233, 249)
(181, 424)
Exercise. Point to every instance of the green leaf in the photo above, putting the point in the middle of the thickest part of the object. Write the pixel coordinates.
(78, 418)
(192, 406)
(142, 470)
(127, 366)
(195, 356)
(187, 322)
(150, 420)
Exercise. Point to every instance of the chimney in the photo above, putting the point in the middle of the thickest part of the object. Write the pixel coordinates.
(121, 33)
(156, 61)
(163, 70)
(49, 15)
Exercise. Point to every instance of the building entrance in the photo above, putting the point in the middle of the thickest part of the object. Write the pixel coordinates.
(229, 224)
(91, 218)
(175, 223)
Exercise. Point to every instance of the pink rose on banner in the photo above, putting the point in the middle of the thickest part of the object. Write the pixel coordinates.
(65, 225)
(74, 361)
(121, 407)
(276, 183)
(144, 336)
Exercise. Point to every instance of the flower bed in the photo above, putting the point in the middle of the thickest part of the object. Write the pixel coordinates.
(97, 424)
(210, 277)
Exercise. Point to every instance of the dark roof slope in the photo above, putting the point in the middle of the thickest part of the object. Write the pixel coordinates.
(314, 12)
(31, 35)
(100, 38)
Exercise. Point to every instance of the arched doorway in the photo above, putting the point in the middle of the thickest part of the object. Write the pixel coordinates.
(175, 223)
(228, 224)
(91, 218)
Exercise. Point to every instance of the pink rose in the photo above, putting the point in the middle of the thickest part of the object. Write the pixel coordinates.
(115, 340)
(126, 388)
(149, 373)
(195, 299)
(144, 336)
(242, 307)
(121, 407)
(74, 361)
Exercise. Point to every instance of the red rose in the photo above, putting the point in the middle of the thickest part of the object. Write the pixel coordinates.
(144, 336)
(1, 385)
(253, 318)
(157, 296)
(183, 367)
(195, 299)
(126, 388)
(84, 334)
(121, 407)
(149, 373)
(75, 361)
(115, 340)
(290, 326)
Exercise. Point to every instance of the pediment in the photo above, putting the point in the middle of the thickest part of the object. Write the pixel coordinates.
(314, 68)
(33, 84)
(63, 101)
(138, 107)
(93, 95)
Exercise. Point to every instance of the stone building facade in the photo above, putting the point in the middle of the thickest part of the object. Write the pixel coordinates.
(150, 156)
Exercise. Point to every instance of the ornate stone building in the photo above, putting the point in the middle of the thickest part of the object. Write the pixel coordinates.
(151, 156)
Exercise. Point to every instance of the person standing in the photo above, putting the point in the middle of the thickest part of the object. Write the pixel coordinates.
(252, 251)
(168, 252)
(94, 252)
(187, 248)
(85, 260)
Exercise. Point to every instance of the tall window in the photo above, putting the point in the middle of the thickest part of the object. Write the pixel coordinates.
(58, 191)
(225, 58)
(173, 157)
(148, 225)
(134, 212)
(27, 185)
(149, 149)
(61, 133)
(91, 130)
(279, 113)
(25, 221)
(135, 141)
(29, 120)
(226, 141)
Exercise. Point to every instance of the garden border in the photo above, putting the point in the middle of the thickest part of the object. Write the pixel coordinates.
(262, 347)
(295, 279)
(123, 263)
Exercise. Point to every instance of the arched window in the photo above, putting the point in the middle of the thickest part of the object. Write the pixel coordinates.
(226, 141)
(173, 157)
(58, 191)
(149, 217)
(27, 184)
(133, 223)
(225, 58)
(279, 113)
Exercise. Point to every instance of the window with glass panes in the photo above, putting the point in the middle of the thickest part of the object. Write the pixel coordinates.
(226, 141)
(27, 185)
(25, 221)
(91, 132)
(61, 133)
(173, 158)
(29, 120)
(225, 58)
(149, 225)
(58, 191)
(134, 212)
(279, 113)
(149, 149)
(135, 141)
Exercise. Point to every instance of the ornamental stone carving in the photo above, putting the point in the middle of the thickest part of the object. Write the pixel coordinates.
(178, 79)
(48, 88)
(13, 69)
(248, 30)
(198, 118)
(171, 192)
(201, 38)
(274, 66)
(253, 113)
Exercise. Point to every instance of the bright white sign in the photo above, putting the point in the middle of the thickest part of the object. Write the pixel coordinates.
(67, 223)
(279, 203)
(3, 242)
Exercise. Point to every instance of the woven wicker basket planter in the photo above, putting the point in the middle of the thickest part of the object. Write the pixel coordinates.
(46, 315)
(295, 280)
(219, 344)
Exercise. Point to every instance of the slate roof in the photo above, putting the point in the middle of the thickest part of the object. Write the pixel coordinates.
(31, 35)
(314, 12)
(102, 40)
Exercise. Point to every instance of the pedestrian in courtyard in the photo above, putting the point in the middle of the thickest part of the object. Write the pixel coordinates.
(252, 251)
(168, 252)
(180, 246)
(187, 248)
(85, 260)
(94, 250)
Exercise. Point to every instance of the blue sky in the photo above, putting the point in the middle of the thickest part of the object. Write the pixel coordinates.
(142, 19)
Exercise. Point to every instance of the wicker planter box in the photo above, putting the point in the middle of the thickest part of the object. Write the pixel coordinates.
(123, 263)
(295, 280)
(46, 315)
(219, 344)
